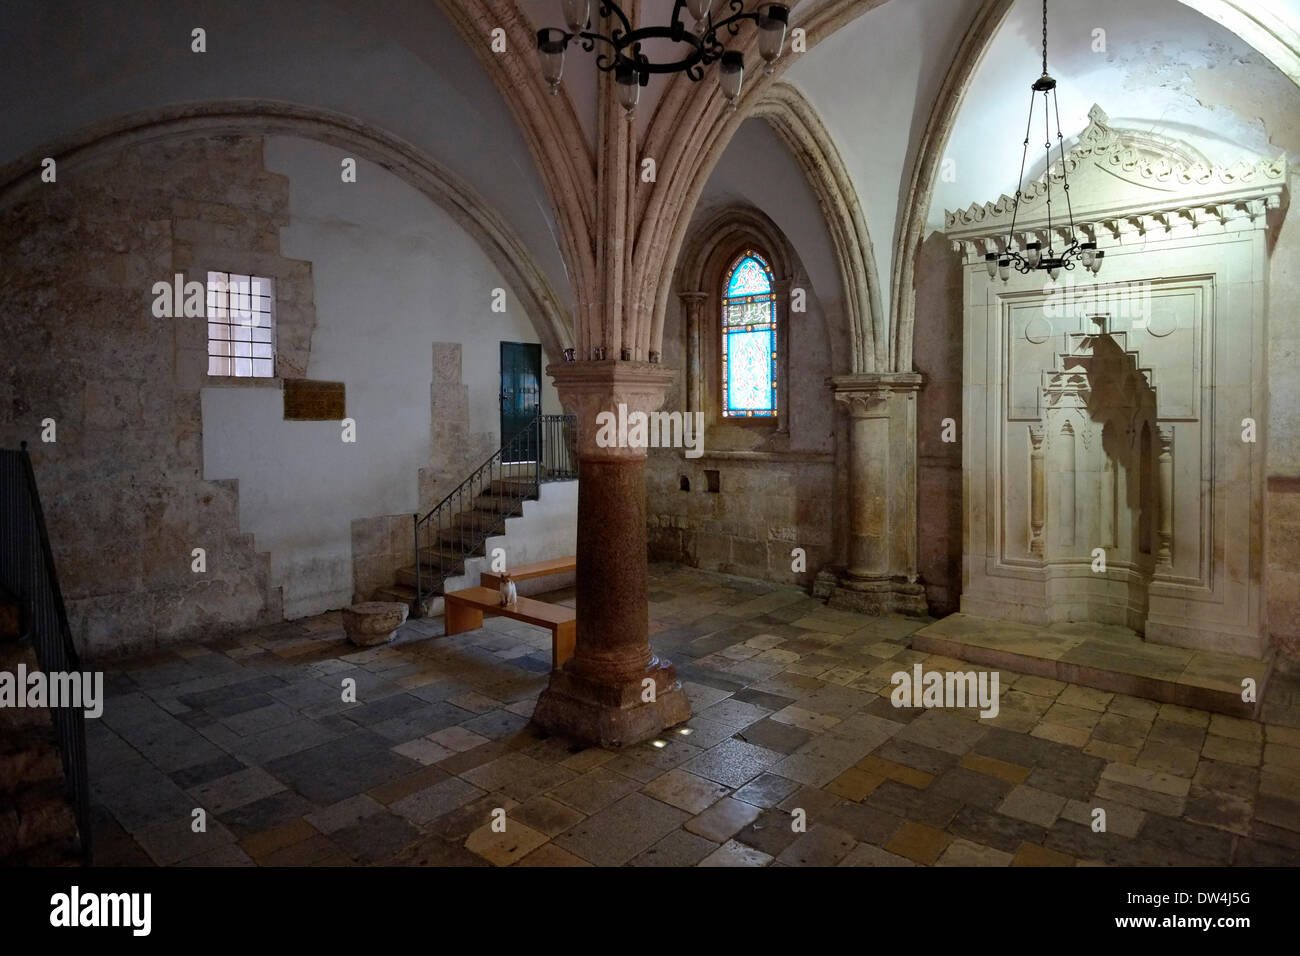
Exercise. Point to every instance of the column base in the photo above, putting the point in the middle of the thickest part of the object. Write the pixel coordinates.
(846, 591)
(612, 714)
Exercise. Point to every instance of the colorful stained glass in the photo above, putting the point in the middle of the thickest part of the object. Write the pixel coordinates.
(749, 277)
(749, 340)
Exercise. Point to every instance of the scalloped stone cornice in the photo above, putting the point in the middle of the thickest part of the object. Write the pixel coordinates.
(1119, 180)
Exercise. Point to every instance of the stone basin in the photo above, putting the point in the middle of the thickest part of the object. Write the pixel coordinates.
(374, 622)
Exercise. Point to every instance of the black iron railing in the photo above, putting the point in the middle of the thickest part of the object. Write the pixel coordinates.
(27, 571)
(456, 528)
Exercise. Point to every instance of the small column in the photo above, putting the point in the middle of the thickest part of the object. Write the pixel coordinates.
(693, 304)
(614, 691)
(1037, 487)
(881, 576)
(1165, 531)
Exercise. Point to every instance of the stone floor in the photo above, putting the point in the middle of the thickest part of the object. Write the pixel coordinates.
(791, 713)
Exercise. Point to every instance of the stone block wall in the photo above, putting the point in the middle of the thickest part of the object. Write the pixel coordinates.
(122, 485)
(764, 508)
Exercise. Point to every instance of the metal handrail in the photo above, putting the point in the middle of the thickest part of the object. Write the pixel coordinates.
(541, 451)
(27, 570)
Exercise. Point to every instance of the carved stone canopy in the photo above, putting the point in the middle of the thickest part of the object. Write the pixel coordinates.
(1123, 182)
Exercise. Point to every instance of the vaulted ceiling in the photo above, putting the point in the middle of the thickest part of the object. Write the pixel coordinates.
(878, 73)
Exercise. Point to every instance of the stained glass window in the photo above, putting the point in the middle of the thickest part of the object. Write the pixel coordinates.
(749, 340)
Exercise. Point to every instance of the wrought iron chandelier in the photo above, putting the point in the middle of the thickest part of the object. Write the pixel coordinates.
(632, 68)
(1035, 257)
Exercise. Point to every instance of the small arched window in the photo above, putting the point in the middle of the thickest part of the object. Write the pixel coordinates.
(749, 339)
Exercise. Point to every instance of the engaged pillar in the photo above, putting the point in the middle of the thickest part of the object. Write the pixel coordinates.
(881, 575)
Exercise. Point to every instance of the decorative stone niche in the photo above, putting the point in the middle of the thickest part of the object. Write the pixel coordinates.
(1103, 414)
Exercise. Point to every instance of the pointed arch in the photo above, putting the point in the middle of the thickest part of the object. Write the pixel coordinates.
(262, 117)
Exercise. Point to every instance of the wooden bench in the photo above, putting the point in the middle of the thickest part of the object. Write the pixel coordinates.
(538, 569)
(465, 610)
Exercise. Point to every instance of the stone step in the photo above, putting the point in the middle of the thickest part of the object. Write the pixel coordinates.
(397, 592)
(35, 816)
(14, 719)
(28, 756)
(446, 560)
(1106, 657)
(516, 487)
(507, 505)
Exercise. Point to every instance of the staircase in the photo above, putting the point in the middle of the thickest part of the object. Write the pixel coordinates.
(457, 529)
(44, 791)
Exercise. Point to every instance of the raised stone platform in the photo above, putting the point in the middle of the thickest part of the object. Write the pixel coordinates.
(1104, 656)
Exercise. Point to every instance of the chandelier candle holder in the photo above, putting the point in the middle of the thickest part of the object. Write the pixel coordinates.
(1087, 254)
(632, 68)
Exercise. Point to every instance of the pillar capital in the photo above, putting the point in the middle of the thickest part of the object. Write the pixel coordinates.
(866, 394)
(619, 388)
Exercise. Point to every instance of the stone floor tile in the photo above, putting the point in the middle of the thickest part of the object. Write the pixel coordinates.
(822, 845)
(723, 820)
(686, 791)
(1121, 819)
(733, 763)
(260, 845)
(594, 790)
(1071, 736)
(919, 842)
(1247, 753)
(865, 854)
(546, 815)
(1039, 686)
(1003, 770)
(766, 790)
(1168, 758)
(855, 784)
(1032, 805)
(548, 854)
(504, 847)
(1088, 698)
(404, 786)
(890, 770)
(423, 751)
(614, 835)
(234, 790)
(1031, 854)
(733, 853)
(344, 814)
(171, 841)
(774, 735)
(965, 853)
(425, 806)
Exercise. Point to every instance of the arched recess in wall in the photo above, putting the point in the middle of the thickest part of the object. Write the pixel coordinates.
(1268, 32)
(793, 118)
(257, 117)
(710, 251)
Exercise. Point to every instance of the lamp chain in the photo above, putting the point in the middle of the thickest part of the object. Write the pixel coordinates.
(1044, 37)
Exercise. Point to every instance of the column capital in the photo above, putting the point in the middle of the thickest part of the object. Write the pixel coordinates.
(865, 393)
(693, 298)
(590, 388)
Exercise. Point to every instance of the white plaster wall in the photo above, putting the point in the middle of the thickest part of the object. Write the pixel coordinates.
(393, 274)
(874, 83)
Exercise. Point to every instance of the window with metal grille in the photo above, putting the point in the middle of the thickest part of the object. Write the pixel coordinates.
(241, 325)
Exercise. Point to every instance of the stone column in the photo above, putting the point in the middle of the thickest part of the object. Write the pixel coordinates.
(1165, 467)
(1037, 491)
(881, 575)
(693, 303)
(614, 691)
